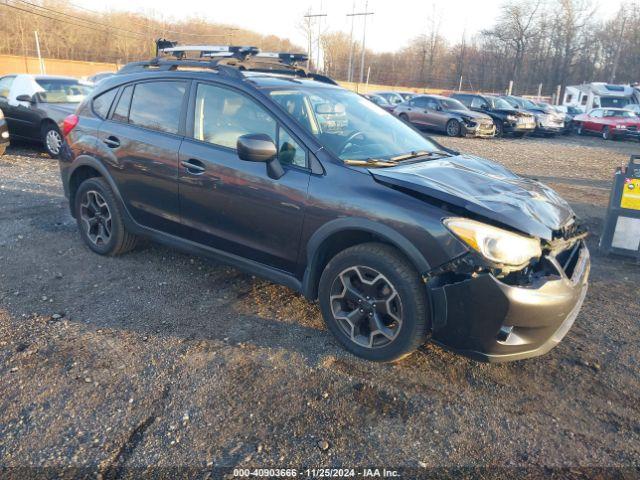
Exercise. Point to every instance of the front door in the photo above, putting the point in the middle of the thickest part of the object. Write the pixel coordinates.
(231, 204)
(140, 143)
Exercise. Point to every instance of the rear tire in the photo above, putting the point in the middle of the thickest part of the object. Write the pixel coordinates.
(52, 139)
(404, 118)
(100, 219)
(453, 128)
(384, 320)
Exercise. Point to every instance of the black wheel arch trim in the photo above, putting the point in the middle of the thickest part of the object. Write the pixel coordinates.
(88, 161)
(349, 224)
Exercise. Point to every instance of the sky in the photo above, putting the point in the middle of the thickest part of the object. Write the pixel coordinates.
(392, 26)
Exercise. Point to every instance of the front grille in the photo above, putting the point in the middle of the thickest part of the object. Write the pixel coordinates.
(632, 128)
(568, 259)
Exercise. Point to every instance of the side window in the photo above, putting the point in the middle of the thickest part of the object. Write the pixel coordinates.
(222, 115)
(584, 100)
(5, 86)
(102, 103)
(157, 105)
(432, 104)
(289, 151)
(477, 102)
(596, 113)
(421, 102)
(121, 113)
(464, 99)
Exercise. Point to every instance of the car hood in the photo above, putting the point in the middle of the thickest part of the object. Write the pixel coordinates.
(486, 189)
(471, 114)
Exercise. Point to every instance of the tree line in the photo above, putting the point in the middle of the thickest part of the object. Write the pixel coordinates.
(533, 43)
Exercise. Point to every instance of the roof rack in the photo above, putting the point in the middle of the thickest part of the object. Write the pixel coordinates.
(227, 60)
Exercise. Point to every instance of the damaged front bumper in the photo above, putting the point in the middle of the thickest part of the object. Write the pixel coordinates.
(498, 320)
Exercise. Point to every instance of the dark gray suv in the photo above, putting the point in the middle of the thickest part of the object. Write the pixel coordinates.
(250, 159)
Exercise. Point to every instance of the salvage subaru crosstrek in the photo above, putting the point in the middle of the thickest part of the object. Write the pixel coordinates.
(248, 158)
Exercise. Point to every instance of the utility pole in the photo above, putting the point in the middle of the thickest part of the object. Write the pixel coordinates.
(618, 48)
(460, 84)
(353, 16)
(510, 87)
(365, 14)
(40, 60)
(309, 16)
(539, 91)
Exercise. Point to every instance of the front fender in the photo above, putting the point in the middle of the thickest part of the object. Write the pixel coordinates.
(350, 224)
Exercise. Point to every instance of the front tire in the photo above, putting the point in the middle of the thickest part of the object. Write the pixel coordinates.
(52, 139)
(579, 129)
(606, 134)
(499, 129)
(100, 219)
(374, 303)
(453, 128)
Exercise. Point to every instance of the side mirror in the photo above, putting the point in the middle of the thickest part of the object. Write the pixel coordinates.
(258, 147)
(439, 108)
(26, 98)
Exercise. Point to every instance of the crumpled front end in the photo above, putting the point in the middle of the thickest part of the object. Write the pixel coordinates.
(492, 317)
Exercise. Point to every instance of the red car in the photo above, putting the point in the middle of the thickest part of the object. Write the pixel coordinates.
(611, 123)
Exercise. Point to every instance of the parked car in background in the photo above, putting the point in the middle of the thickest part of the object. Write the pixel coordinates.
(567, 120)
(380, 101)
(394, 98)
(570, 112)
(548, 121)
(407, 95)
(4, 134)
(446, 115)
(610, 123)
(508, 120)
(35, 105)
(93, 79)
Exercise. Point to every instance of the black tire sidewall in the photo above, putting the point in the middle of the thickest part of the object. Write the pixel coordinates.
(412, 307)
(117, 229)
(499, 129)
(606, 133)
(404, 117)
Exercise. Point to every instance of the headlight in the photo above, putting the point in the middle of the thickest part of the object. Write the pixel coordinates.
(1, 114)
(495, 244)
(621, 126)
(512, 118)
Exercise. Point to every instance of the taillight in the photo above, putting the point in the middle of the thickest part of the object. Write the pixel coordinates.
(69, 124)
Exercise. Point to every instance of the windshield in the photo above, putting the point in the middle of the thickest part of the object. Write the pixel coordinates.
(452, 104)
(349, 126)
(619, 113)
(378, 100)
(613, 101)
(59, 90)
(499, 103)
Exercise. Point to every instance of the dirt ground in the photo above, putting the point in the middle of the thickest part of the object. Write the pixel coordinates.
(158, 359)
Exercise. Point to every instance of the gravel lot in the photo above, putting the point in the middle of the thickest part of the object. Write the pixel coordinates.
(157, 358)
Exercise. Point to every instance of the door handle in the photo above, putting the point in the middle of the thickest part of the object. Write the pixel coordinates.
(194, 167)
(112, 142)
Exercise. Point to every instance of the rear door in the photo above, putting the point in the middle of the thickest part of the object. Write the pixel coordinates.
(139, 143)
(418, 111)
(231, 204)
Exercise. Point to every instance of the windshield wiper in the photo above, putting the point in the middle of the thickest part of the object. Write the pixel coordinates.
(407, 156)
(370, 162)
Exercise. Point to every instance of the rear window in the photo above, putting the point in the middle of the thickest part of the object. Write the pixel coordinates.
(157, 105)
(102, 103)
